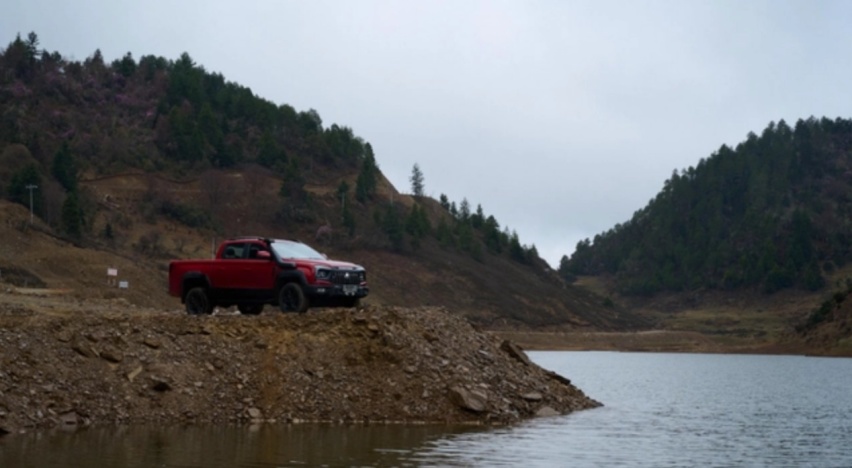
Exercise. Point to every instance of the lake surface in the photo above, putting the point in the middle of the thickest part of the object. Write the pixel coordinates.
(662, 410)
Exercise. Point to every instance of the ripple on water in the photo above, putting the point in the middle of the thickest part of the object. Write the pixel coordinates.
(677, 410)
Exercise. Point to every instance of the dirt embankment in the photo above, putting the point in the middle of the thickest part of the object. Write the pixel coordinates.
(83, 363)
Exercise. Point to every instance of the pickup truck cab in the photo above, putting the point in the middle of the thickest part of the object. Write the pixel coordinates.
(250, 272)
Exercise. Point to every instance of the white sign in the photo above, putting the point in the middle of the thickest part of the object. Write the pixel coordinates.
(112, 271)
(123, 284)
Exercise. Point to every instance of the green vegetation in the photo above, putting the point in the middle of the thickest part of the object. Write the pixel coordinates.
(767, 214)
(416, 181)
(826, 310)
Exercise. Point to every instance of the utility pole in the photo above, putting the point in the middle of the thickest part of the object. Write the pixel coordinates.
(31, 187)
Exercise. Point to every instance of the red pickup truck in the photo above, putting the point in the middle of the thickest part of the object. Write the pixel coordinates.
(250, 272)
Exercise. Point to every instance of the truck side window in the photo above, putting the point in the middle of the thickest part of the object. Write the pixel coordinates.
(254, 249)
(230, 252)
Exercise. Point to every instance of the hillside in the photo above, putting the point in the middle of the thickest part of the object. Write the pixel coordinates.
(743, 248)
(770, 214)
(138, 162)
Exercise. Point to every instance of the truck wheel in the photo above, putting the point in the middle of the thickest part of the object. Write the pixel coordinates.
(197, 302)
(291, 298)
(250, 309)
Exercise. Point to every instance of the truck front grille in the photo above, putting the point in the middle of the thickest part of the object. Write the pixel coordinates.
(346, 277)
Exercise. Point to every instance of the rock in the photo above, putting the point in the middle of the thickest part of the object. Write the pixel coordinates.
(546, 412)
(532, 396)
(134, 373)
(516, 352)
(557, 377)
(152, 342)
(471, 400)
(254, 413)
(159, 384)
(111, 354)
(64, 336)
(83, 349)
(71, 418)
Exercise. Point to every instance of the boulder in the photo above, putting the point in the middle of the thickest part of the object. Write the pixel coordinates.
(516, 352)
(471, 400)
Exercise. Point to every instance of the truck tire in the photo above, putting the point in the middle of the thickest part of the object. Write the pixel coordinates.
(198, 302)
(291, 298)
(250, 309)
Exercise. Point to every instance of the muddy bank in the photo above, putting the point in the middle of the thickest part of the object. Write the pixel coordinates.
(659, 341)
(110, 363)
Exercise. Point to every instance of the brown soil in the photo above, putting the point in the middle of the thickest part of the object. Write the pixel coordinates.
(78, 362)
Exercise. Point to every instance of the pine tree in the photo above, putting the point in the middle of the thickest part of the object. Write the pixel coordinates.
(392, 226)
(365, 185)
(416, 181)
(464, 211)
(64, 169)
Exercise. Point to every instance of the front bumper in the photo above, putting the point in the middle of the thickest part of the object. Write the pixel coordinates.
(338, 290)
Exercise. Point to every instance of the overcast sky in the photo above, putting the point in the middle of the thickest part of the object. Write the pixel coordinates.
(561, 118)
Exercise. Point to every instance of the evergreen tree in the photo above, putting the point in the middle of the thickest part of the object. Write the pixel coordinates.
(416, 181)
(516, 251)
(19, 193)
(444, 234)
(271, 155)
(417, 224)
(126, 66)
(478, 218)
(365, 185)
(64, 168)
(491, 233)
(392, 227)
(464, 211)
(565, 270)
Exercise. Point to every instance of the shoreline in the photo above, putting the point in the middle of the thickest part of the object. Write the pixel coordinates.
(660, 341)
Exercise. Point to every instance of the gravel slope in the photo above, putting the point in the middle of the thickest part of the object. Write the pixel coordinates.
(66, 362)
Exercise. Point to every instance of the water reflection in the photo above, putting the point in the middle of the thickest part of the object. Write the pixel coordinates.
(221, 446)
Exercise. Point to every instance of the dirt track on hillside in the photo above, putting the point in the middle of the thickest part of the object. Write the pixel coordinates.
(67, 362)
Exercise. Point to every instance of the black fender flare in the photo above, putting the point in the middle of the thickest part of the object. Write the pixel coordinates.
(290, 276)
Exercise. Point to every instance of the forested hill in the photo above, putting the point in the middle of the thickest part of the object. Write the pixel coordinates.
(772, 213)
(64, 122)
(152, 159)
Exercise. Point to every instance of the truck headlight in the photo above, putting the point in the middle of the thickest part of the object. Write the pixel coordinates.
(323, 274)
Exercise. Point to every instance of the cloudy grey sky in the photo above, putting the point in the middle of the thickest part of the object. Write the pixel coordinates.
(561, 118)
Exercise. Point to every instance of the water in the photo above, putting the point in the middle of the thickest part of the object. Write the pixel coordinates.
(662, 410)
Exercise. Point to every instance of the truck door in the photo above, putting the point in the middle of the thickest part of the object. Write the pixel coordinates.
(259, 269)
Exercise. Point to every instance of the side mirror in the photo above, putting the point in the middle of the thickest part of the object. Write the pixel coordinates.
(264, 255)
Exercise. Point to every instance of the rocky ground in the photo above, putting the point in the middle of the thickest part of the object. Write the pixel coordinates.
(66, 362)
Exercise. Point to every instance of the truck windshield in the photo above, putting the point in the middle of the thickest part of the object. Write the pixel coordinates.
(288, 249)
